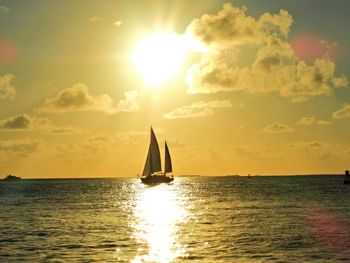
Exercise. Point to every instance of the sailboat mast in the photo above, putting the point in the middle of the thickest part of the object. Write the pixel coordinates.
(150, 153)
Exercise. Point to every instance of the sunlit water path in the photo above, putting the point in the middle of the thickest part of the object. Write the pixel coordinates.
(210, 219)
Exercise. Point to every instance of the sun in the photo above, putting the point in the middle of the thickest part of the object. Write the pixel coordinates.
(159, 57)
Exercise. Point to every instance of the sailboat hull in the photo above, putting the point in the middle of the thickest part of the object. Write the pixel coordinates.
(156, 179)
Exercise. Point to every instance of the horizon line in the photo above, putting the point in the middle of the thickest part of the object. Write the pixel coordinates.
(189, 175)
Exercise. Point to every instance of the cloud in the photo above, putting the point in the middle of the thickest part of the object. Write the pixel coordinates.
(68, 151)
(231, 25)
(342, 113)
(313, 149)
(77, 98)
(118, 23)
(96, 19)
(55, 129)
(275, 66)
(19, 147)
(277, 127)
(307, 121)
(176, 143)
(7, 90)
(322, 122)
(198, 109)
(129, 103)
(340, 81)
(99, 145)
(245, 150)
(100, 142)
(311, 120)
(24, 121)
(4, 9)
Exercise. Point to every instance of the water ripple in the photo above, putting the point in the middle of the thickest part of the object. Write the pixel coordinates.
(215, 219)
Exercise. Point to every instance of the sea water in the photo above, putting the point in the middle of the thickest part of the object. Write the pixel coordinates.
(193, 219)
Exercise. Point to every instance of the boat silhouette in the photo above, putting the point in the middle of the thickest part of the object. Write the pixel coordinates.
(11, 178)
(347, 177)
(152, 172)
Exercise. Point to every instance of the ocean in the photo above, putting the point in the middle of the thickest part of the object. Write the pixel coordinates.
(193, 219)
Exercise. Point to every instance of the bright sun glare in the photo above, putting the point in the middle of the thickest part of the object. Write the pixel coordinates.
(159, 57)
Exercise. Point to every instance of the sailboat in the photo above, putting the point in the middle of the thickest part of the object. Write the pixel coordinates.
(152, 172)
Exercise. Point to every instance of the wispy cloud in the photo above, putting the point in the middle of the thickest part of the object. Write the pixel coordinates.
(246, 150)
(96, 19)
(61, 130)
(97, 145)
(20, 148)
(342, 113)
(198, 109)
(176, 143)
(277, 127)
(78, 98)
(7, 90)
(312, 149)
(129, 103)
(4, 9)
(100, 142)
(311, 120)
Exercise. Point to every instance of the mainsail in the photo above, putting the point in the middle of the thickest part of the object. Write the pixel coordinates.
(167, 167)
(147, 170)
(153, 163)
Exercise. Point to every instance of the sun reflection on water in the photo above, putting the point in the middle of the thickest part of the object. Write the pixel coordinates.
(158, 212)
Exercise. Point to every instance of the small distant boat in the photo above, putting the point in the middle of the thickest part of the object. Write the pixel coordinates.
(152, 172)
(11, 178)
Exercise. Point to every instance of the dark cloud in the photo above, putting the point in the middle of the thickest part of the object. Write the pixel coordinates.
(26, 122)
(22, 121)
(269, 62)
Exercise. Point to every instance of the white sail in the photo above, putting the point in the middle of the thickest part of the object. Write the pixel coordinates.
(153, 163)
(167, 167)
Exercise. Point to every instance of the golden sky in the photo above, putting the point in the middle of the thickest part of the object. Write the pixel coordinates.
(236, 87)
